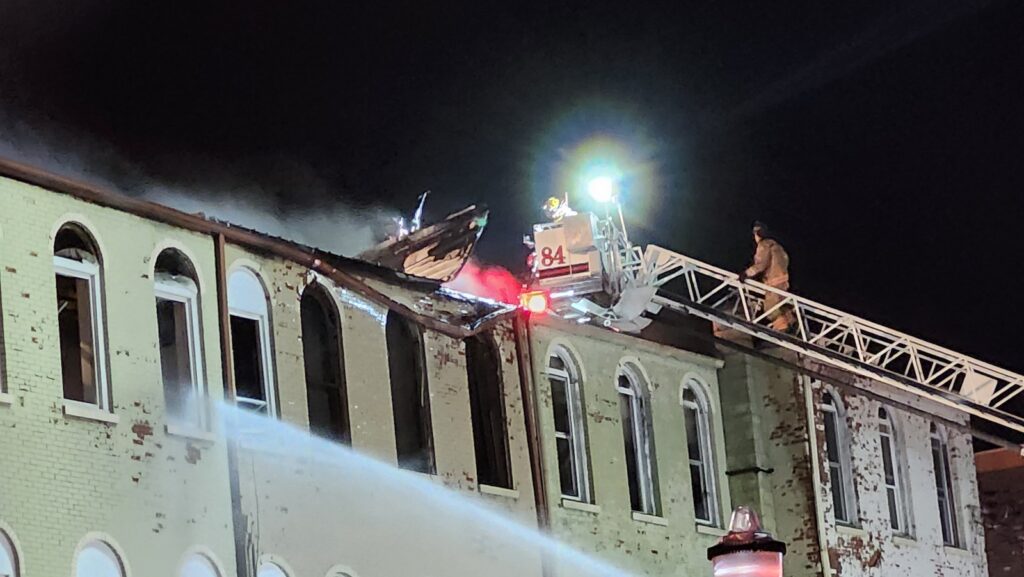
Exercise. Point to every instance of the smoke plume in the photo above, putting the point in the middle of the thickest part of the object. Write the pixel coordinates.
(278, 196)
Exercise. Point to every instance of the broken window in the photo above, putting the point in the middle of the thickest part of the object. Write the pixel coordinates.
(639, 445)
(570, 435)
(487, 409)
(836, 447)
(697, 422)
(177, 316)
(97, 559)
(251, 352)
(892, 471)
(410, 397)
(80, 317)
(325, 372)
(8, 560)
(944, 487)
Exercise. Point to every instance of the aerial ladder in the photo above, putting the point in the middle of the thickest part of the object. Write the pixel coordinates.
(591, 273)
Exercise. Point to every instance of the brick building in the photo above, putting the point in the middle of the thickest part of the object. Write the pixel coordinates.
(1001, 483)
(116, 318)
(129, 330)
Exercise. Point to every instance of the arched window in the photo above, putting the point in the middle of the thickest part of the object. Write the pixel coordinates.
(77, 264)
(892, 469)
(181, 353)
(251, 351)
(8, 558)
(487, 412)
(270, 570)
(944, 487)
(326, 394)
(97, 559)
(410, 395)
(199, 565)
(637, 435)
(696, 419)
(570, 430)
(838, 457)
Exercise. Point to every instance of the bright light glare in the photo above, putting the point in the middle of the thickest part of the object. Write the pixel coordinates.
(535, 302)
(601, 189)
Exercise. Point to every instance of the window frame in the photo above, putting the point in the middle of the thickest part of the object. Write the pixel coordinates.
(91, 272)
(112, 552)
(642, 435)
(842, 461)
(950, 522)
(273, 563)
(479, 421)
(333, 313)
(200, 554)
(577, 434)
(425, 406)
(266, 360)
(887, 429)
(9, 547)
(709, 472)
(266, 344)
(183, 290)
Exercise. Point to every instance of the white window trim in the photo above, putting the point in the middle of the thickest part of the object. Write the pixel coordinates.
(896, 458)
(90, 272)
(88, 411)
(103, 540)
(939, 434)
(843, 458)
(705, 447)
(266, 358)
(9, 546)
(577, 429)
(184, 291)
(641, 436)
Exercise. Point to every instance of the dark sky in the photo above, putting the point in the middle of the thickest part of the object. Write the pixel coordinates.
(881, 140)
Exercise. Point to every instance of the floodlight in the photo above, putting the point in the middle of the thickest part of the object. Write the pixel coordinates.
(602, 189)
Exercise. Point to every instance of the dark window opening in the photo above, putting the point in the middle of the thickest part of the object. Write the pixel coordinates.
(247, 358)
(487, 407)
(944, 489)
(73, 238)
(172, 262)
(639, 444)
(695, 425)
(76, 278)
(77, 359)
(410, 397)
(563, 435)
(629, 436)
(325, 372)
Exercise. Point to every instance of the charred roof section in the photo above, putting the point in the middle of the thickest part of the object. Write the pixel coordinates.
(456, 315)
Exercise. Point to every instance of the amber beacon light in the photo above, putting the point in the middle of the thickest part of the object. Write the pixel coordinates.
(535, 301)
(747, 550)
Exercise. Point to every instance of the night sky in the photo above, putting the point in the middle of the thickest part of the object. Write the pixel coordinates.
(882, 141)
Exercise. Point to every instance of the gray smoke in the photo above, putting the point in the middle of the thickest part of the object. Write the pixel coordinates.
(278, 196)
(336, 228)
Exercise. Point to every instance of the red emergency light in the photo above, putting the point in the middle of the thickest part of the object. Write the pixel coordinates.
(534, 301)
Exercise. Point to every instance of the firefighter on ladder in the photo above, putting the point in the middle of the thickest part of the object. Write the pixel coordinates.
(771, 267)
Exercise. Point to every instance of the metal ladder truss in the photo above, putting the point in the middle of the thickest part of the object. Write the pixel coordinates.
(838, 339)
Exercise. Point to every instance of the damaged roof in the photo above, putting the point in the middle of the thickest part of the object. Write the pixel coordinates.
(424, 301)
